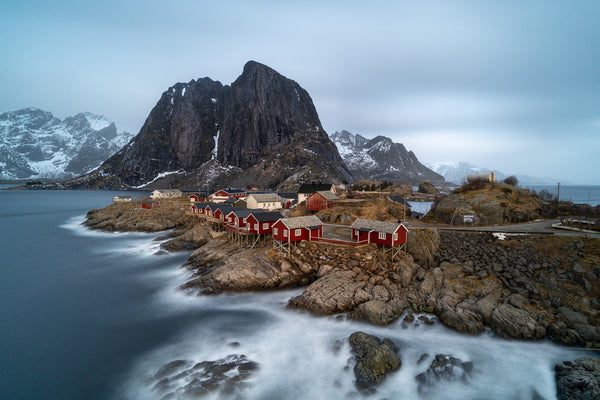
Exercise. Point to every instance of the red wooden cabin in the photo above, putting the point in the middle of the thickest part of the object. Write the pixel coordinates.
(261, 223)
(147, 205)
(379, 232)
(321, 200)
(297, 228)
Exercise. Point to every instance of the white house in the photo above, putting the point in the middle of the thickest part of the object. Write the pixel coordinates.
(122, 199)
(264, 201)
(165, 194)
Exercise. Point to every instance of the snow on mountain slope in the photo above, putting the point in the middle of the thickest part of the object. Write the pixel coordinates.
(381, 159)
(35, 144)
(457, 172)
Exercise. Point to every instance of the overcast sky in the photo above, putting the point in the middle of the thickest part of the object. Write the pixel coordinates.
(509, 85)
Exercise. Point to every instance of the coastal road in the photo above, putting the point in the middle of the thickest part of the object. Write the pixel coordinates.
(540, 227)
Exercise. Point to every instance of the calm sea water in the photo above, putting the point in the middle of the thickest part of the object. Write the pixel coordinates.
(87, 315)
(584, 194)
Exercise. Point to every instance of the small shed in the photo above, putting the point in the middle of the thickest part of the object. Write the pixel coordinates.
(261, 223)
(165, 194)
(264, 201)
(321, 200)
(297, 228)
(379, 232)
(196, 198)
(150, 204)
(307, 189)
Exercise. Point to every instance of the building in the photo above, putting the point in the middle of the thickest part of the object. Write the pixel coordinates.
(264, 201)
(307, 189)
(198, 208)
(150, 204)
(321, 200)
(379, 232)
(195, 198)
(224, 194)
(237, 218)
(122, 199)
(297, 228)
(165, 194)
(261, 223)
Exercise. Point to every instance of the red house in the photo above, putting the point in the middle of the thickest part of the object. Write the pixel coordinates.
(321, 200)
(261, 223)
(237, 218)
(297, 228)
(149, 204)
(195, 198)
(224, 194)
(198, 208)
(379, 232)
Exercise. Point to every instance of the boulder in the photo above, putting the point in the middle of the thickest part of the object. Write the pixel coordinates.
(578, 380)
(444, 368)
(375, 358)
(463, 320)
(376, 312)
(517, 323)
(423, 245)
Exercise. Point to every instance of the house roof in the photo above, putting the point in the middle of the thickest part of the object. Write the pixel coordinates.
(314, 187)
(266, 197)
(231, 191)
(267, 216)
(328, 195)
(201, 205)
(377, 226)
(231, 200)
(302, 222)
(241, 213)
(167, 191)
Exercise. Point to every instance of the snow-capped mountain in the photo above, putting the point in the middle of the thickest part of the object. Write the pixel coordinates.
(456, 172)
(36, 144)
(381, 159)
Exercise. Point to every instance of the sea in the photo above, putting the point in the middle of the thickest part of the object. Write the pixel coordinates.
(93, 315)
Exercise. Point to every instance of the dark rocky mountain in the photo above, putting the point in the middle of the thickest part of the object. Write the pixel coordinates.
(34, 144)
(262, 130)
(381, 159)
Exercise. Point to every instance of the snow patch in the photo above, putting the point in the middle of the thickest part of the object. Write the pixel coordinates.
(183, 92)
(216, 139)
(159, 176)
(213, 100)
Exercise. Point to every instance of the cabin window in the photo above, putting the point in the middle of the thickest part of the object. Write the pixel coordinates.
(297, 232)
(275, 231)
(285, 233)
(244, 220)
(395, 236)
(255, 227)
(382, 235)
(265, 226)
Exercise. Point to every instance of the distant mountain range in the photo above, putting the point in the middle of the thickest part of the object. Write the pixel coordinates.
(456, 172)
(34, 144)
(381, 159)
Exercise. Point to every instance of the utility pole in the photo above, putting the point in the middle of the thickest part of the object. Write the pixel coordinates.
(558, 193)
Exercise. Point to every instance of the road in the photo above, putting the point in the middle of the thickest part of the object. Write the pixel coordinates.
(539, 227)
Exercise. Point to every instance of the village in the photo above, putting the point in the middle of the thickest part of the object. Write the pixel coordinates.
(285, 219)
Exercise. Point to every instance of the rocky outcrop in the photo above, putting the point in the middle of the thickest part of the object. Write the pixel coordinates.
(489, 204)
(375, 358)
(423, 245)
(578, 380)
(225, 377)
(428, 188)
(261, 130)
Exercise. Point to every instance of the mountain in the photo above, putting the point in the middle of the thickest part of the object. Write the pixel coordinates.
(35, 144)
(262, 130)
(456, 172)
(381, 159)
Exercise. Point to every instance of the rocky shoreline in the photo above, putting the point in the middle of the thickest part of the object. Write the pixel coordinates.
(524, 287)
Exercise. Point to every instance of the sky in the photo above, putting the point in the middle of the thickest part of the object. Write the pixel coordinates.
(508, 85)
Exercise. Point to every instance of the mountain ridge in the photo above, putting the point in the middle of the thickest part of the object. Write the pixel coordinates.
(380, 158)
(262, 130)
(34, 144)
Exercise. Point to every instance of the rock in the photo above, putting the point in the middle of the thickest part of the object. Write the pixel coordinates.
(332, 293)
(517, 300)
(516, 323)
(375, 358)
(444, 368)
(578, 380)
(423, 245)
(227, 376)
(376, 312)
(485, 306)
(462, 320)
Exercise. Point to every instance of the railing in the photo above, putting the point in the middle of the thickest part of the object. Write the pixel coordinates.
(237, 229)
(340, 241)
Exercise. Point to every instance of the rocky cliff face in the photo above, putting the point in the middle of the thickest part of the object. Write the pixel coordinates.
(381, 159)
(262, 130)
(35, 144)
